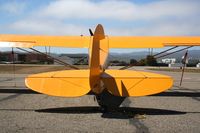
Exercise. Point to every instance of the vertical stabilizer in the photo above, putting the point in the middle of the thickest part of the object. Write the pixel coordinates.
(98, 56)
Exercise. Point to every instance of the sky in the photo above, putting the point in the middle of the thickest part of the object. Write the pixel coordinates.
(119, 18)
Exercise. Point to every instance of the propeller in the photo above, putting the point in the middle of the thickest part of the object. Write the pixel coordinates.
(82, 59)
(91, 33)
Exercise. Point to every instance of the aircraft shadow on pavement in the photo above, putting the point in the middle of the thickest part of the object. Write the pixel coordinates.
(175, 94)
(117, 113)
(179, 94)
(20, 91)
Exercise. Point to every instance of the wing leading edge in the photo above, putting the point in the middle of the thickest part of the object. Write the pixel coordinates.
(152, 41)
(54, 41)
(85, 41)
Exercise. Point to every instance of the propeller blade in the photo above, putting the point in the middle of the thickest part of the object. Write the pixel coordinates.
(91, 33)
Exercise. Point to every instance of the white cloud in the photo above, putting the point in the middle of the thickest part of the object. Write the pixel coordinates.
(119, 10)
(47, 27)
(85, 9)
(160, 28)
(170, 17)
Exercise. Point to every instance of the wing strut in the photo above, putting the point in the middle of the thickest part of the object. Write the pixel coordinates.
(165, 51)
(184, 65)
(126, 67)
(66, 64)
(174, 52)
(13, 61)
(57, 60)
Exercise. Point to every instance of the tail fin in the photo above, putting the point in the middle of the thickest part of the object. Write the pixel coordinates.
(98, 57)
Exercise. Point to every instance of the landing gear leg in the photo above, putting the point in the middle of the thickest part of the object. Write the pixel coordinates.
(103, 108)
(108, 102)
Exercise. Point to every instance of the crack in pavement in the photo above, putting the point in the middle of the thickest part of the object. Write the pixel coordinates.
(10, 97)
(8, 79)
(140, 127)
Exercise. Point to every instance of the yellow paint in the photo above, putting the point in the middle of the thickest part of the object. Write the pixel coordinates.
(84, 41)
(55, 41)
(68, 83)
(135, 83)
(97, 59)
(73, 83)
(151, 42)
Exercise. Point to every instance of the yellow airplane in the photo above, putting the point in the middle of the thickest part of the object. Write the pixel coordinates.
(105, 84)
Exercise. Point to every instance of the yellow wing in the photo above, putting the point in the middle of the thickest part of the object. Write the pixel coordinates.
(55, 41)
(85, 41)
(151, 41)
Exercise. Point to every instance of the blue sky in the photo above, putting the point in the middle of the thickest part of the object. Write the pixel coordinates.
(119, 17)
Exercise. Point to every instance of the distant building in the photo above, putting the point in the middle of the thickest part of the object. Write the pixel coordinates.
(169, 60)
(198, 65)
(176, 65)
(76, 59)
(17, 57)
(64, 58)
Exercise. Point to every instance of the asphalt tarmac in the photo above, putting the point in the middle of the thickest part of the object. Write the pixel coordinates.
(177, 110)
